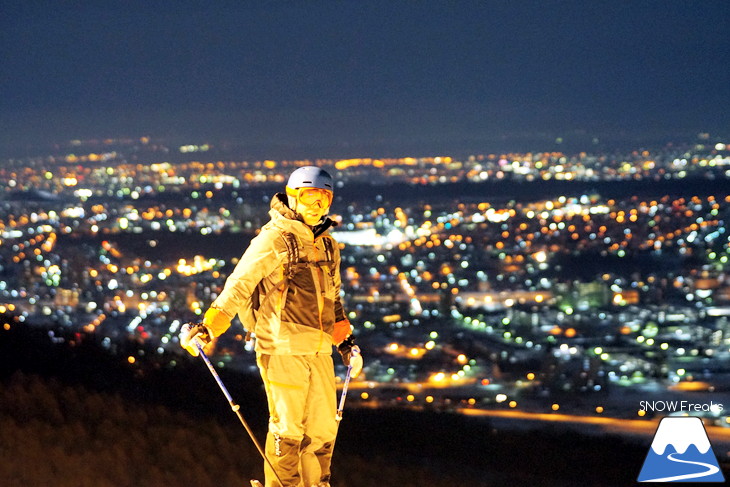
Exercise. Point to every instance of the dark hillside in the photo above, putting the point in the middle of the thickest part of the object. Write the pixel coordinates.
(72, 415)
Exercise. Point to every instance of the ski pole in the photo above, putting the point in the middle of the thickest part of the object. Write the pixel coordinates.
(355, 352)
(344, 393)
(338, 416)
(235, 407)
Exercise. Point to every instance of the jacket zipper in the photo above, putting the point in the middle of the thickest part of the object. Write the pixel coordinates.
(320, 295)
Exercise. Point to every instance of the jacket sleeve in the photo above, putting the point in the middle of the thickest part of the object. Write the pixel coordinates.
(342, 324)
(261, 258)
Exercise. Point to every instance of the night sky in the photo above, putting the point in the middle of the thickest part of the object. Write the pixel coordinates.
(380, 76)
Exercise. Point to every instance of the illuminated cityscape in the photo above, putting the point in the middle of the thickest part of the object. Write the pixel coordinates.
(473, 284)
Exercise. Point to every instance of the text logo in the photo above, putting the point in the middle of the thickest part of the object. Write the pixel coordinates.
(681, 452)
(676, 406)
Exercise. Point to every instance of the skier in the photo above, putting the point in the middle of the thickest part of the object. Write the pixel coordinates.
(288, 280)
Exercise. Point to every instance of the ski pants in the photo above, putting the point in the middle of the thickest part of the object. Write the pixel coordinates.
(302, 400)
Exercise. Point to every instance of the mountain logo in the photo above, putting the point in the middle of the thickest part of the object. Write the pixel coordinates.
(680, 452)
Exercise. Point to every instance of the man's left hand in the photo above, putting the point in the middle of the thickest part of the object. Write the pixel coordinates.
(351, 356)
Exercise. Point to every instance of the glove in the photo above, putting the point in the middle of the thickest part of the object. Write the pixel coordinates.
(191, 334)
(351, 356)
(216, 321)
(341, 331)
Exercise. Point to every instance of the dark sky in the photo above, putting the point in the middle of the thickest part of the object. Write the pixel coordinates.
(379, 75)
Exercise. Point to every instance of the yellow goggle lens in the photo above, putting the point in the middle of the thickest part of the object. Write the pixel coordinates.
(310, 196)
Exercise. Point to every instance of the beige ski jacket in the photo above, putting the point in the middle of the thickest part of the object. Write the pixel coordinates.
(298, 315)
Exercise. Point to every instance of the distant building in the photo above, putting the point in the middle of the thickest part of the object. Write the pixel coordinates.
(591, 295)
(66, 297)
(496, 300)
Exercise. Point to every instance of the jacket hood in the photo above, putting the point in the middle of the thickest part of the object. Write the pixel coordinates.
(279, 208)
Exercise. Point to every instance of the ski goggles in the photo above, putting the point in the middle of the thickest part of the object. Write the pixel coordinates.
(310, 196)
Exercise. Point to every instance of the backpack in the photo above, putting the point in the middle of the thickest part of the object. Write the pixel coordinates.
(248, 314)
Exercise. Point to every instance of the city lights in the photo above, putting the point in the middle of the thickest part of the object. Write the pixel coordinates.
(461, 301)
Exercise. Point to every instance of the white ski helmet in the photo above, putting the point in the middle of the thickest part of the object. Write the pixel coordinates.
(310, 177)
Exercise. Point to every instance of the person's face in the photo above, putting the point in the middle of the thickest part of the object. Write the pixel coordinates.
(313, 204)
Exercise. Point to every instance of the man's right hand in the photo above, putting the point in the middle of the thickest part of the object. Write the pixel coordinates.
(191, 334)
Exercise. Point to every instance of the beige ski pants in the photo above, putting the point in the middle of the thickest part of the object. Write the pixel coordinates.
(302, 400)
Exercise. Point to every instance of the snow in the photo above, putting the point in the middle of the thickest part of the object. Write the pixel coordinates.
(680, 432)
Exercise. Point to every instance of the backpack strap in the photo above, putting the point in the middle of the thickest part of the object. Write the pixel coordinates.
(329, 256)
(292, 251)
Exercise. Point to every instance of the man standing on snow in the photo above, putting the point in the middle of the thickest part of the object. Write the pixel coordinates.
(290, 276)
